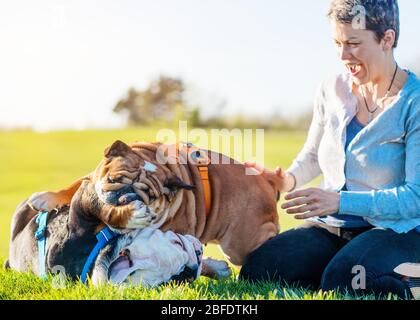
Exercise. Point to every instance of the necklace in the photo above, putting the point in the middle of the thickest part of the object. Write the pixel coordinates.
(371, 112)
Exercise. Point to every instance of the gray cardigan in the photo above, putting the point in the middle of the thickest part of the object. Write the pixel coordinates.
(381, 166)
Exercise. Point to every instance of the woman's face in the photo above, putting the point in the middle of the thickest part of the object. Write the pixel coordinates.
(359, 50)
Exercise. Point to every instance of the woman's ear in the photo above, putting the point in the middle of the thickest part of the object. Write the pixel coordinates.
(388, 40)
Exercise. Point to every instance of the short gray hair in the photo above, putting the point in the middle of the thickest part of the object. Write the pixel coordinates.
(381, 15)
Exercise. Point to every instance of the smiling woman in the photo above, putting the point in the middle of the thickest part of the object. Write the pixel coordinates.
(365, 140)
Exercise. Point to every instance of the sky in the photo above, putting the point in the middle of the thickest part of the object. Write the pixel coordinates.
(65, 64)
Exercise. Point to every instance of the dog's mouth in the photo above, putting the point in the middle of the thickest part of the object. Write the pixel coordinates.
(120, 190)
(121, 269)
(129, 269)
(123, 196)
(123, 266)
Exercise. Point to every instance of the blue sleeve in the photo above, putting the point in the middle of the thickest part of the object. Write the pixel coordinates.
(402, 202)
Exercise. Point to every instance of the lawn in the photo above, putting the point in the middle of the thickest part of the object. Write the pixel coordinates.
(17, 286)
(33, 162)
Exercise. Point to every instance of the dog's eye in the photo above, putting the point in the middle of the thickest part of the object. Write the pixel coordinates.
(178, 243)
(114, 179)
(110, 180)
(167, 197)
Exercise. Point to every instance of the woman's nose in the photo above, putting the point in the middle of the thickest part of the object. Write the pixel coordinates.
(344, 53)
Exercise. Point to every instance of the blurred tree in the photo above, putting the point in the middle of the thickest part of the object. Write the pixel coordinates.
(162, 100)
(195, 118)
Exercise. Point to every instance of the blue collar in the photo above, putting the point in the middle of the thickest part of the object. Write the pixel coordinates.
(104, 237)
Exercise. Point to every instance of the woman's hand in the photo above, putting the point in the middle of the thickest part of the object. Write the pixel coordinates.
(288, 180)
(311, 202)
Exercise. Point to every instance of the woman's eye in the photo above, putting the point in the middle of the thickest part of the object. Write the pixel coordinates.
(353, 45)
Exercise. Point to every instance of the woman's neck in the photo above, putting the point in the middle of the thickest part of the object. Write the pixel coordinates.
(379, 86)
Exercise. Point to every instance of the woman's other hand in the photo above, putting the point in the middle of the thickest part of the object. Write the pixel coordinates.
(287, 178)
(311, 202)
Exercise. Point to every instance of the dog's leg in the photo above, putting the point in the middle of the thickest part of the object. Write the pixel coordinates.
(215, 269)
(47, 201)
(131, 216)
(6, 265)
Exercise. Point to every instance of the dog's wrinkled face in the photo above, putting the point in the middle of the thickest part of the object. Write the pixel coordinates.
(123, 177)
(150, 257)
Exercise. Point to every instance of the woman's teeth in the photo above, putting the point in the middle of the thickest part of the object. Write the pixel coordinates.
(355, 68)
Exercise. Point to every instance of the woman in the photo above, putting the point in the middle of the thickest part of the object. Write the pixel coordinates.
(365, 140)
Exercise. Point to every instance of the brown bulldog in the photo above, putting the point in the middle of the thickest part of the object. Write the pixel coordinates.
(169, 184)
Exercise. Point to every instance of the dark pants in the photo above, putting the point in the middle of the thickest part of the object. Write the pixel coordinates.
(334, 259)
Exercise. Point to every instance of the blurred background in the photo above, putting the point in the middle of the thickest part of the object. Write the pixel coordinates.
(77, 75)
(87, 64)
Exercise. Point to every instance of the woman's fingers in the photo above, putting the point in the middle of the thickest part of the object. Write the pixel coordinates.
(295, 203)
(311, 202)
(300, 201)
(280, 172)
(302, 209)
(262, 169)
(299, 194)
(311, 214)
(249, 164)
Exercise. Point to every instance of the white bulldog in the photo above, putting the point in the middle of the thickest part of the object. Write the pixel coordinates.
(149, 257)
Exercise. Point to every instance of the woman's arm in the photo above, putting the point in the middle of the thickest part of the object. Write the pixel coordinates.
(306, 167)
(402, 202)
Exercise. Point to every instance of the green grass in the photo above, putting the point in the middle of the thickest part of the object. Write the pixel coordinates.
(32, 162)
(22, 286)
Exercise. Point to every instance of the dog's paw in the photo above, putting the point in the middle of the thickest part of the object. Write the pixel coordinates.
(141, 215)
(216, 269)
(43, 201)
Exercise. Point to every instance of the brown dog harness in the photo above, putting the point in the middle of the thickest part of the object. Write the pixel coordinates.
(200, 158)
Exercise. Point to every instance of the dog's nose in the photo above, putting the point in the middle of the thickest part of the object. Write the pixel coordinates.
(125, 253)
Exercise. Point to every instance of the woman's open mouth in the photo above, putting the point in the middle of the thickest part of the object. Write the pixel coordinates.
(354, 69)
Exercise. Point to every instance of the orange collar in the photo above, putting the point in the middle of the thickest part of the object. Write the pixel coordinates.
(200, 158)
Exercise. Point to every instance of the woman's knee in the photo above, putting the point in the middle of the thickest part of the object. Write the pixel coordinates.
(259, 264)
(347, 277)
(341, 276)
(281, 259)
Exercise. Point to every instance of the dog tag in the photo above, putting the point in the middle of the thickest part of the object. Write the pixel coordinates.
(149, 166)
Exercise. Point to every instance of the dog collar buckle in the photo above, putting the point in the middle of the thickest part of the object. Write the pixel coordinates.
(40, 233)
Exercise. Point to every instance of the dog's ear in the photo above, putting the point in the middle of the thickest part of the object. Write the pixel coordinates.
(118, 148)
(175, 182)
